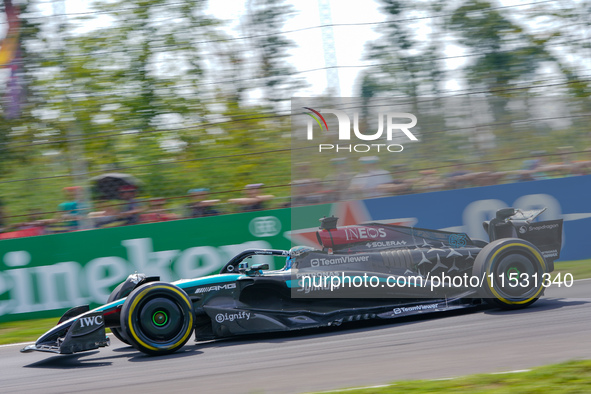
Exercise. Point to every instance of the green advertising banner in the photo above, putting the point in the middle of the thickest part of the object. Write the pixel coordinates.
(44, 275)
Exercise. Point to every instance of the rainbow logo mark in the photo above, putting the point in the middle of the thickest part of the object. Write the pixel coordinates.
(315, 118)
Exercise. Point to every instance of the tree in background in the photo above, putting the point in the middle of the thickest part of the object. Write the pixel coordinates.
(407, 66)
(162, 90)
(509, 61)
(18, 64)
(508, 51)
(270, 49)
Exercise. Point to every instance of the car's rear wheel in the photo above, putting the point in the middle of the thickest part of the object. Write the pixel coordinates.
(512, 270)
(113, 297)
(157, 318)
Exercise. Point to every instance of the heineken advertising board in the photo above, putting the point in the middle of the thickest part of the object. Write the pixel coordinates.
(43, 276)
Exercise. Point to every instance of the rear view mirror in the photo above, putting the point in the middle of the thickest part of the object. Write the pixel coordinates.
(505, 213)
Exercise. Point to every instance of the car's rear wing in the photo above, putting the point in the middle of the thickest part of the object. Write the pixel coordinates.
(514, 223)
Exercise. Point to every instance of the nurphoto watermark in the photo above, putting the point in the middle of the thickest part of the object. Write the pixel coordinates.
(346, 126)
(344, 130)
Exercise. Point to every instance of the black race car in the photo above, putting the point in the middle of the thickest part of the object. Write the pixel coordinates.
(369, 271)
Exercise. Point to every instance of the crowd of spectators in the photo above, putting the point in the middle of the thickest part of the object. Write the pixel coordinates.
(372, 181)
(128, 209)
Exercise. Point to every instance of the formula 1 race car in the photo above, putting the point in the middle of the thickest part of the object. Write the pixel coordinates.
(158, 318)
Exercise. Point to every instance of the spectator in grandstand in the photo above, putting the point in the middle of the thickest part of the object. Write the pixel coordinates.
(531, 170)
(458, 178)
(583, 167)
(301, 170)
(253, 200)
(399, 185)
(34, 224)
(308, 192)
(486, 178)
(430, 181)
(305, 189)
(301, 176)
(563, 167)
(157, 212)
(131, 210)
(105, 213)
(69, 210)
(200, 205)
(336, 183)
(566, 156)
(365, 184)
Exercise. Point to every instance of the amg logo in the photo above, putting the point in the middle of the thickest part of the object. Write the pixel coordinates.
(215, 288)
(91, 321)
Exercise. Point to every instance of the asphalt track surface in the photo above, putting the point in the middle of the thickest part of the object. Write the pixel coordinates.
(557, 328)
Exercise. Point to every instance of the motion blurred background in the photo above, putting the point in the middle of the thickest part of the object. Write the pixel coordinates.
(181, 99)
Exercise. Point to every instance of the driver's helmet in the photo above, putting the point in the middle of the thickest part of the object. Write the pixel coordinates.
(294, 252)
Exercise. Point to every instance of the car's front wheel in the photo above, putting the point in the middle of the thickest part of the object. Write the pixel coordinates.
(157, 318)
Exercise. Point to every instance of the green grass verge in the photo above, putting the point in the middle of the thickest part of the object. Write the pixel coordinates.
(30, 330)
(580, 269)
(570, 377)
(24, 331)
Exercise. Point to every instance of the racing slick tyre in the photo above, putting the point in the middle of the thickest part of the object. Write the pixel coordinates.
(113, 297)
(157, 318)
(511, 271)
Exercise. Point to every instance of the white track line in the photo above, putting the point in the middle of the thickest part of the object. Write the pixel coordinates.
(17, 344)
(355, 388)
(516, 371)
(429, 380)
(27, 343)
